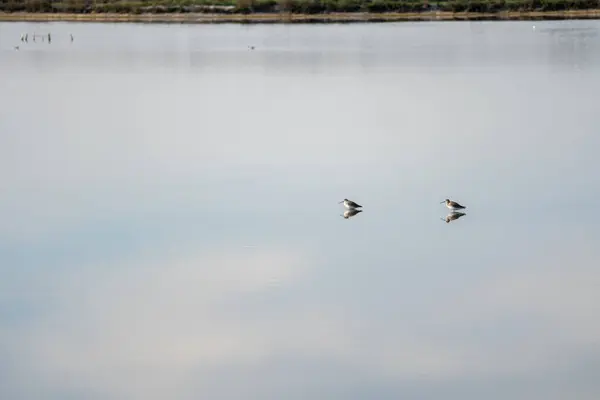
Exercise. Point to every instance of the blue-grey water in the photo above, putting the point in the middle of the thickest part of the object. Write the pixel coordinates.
(170, 226)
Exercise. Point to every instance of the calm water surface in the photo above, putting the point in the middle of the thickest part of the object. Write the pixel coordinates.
(169, 225)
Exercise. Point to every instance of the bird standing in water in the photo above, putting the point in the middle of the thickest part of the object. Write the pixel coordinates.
(350, 204)
(452, 205)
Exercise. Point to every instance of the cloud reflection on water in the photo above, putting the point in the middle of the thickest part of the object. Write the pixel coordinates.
(124, 271)
(220, 314)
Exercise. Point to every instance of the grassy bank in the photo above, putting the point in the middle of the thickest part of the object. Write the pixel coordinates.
(293, 10)
(299, 18)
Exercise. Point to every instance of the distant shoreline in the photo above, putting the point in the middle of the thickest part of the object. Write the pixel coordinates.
(338, 17)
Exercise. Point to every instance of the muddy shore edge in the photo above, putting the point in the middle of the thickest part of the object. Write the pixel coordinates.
(300, 18)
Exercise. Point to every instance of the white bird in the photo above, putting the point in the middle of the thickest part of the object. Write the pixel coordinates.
(452, 205)
(350, 204)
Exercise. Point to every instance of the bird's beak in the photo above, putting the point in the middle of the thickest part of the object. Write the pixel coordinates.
(341, 202)
(441, 202)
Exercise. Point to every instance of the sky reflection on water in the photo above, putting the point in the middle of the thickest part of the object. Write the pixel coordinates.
(170, 226)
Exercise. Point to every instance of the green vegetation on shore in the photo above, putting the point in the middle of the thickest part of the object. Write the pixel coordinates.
(290, 6)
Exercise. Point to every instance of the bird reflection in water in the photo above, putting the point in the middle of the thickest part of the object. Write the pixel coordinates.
(351, 213)
(452, 216)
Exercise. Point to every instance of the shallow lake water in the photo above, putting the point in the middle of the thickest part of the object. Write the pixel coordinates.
(170, 226)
